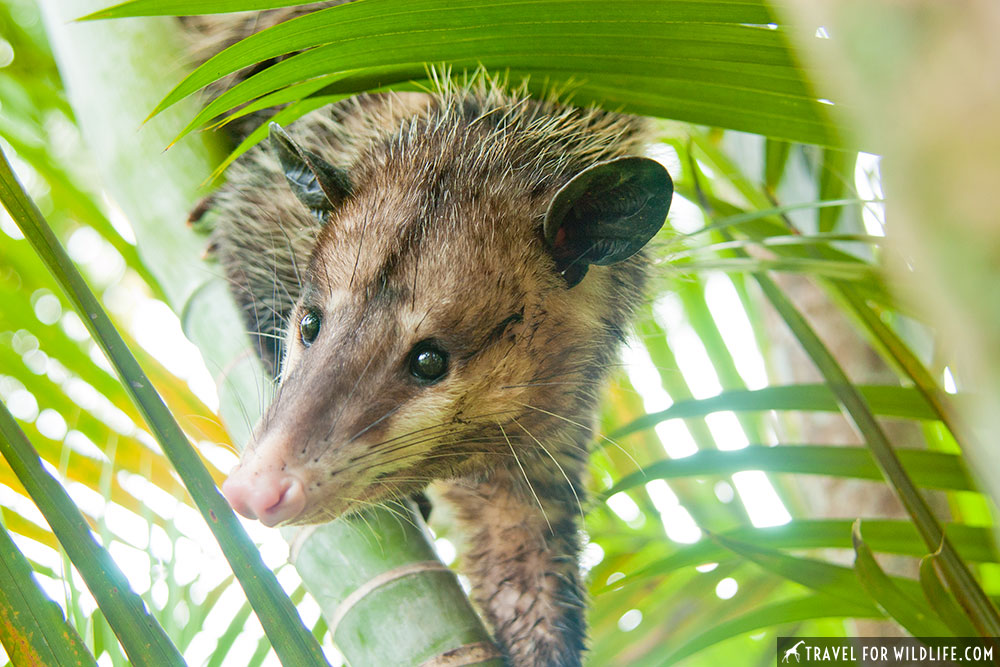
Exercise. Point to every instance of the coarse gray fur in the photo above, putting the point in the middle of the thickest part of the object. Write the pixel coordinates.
(440, 238)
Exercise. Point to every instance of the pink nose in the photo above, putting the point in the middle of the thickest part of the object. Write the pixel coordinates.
(272, 497)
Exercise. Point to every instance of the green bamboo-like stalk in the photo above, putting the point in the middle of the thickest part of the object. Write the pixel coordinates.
(33, 629)
(141, 636)
(405, 576)
(130, 62)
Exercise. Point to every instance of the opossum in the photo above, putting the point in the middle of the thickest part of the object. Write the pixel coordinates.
(441, 282)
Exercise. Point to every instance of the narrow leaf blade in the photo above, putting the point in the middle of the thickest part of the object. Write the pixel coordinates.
(912, 614)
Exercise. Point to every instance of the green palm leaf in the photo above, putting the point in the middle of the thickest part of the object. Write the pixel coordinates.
(720, 56)
(32, 627)
(141, 636)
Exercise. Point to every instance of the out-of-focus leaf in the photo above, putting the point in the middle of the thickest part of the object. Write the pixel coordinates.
(911, 612)
(929, 469)
(886, 401)
(973, 599)
(941, 601)
(889, 536)
(885, 338)
(836, 179)
(775, 614)
(832, 580)
(847, 271)
(228, 637)
(740, 219)
(17, 524)
(789, 240)
(775, 158)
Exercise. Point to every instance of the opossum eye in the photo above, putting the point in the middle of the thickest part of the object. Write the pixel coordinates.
(309, 327)
(428, 362)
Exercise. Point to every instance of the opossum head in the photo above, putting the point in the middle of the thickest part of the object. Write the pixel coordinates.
(447, 322)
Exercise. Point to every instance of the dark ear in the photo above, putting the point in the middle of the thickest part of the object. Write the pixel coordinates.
(317, 183)
(606, 214)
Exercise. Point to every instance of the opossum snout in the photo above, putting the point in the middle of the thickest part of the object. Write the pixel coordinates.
(270, 496)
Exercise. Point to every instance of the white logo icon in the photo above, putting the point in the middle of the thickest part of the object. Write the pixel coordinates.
(793, 651)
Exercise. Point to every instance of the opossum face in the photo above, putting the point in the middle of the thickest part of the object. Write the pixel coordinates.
(440, 336)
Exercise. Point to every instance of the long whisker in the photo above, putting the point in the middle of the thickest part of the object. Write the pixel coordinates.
(358, 512)
(441, 425)
(399, 514)
(361, 460)
(277, 397)
(265, 335)
(378, 538)
(532, 488)
(417, 440)
(220, 372)
(409, 434)
(361, 242)
(419, 436)
(244, 287)
(600, 435)
(443, 455)
(207, 418)
(572, 488)
(291, 254)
